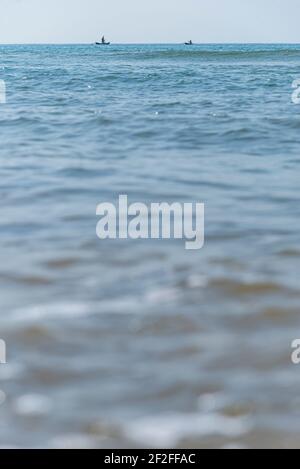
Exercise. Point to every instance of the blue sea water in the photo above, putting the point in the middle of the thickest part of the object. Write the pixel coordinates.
(142, 343)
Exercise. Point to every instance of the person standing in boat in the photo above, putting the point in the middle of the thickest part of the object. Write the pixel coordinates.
(103, 42)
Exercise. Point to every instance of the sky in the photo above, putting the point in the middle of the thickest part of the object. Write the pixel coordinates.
(153, 21)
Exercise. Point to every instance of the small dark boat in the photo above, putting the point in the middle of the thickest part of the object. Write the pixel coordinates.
(103, 42)
(190, 43)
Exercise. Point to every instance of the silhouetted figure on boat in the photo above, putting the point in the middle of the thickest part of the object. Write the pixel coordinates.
(103, 42)
(190, 43)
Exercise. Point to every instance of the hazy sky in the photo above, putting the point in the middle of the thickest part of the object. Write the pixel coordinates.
(66, 21)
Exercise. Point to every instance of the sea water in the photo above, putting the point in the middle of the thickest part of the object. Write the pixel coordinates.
(142, 343)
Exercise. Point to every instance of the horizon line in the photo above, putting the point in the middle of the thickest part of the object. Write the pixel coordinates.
(142, 43)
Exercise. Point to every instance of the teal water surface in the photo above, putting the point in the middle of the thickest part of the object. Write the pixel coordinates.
(126, 344)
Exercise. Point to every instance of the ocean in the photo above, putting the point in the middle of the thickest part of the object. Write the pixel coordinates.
(123, 343)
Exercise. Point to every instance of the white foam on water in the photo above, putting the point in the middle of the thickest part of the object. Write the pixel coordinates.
(32, 405)
(161, 295)
(123, 305)
(235, 446)
(212, 402)
(168, 430)
(72, 441)
(51, 310)
(197, 281)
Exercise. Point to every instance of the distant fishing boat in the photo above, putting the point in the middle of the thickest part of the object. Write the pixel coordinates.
(190, 43)
(103, 42)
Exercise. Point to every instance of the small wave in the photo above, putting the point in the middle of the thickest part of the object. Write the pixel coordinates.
(197, 52)
(290, 253)
(30, 280)
(252, 288)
